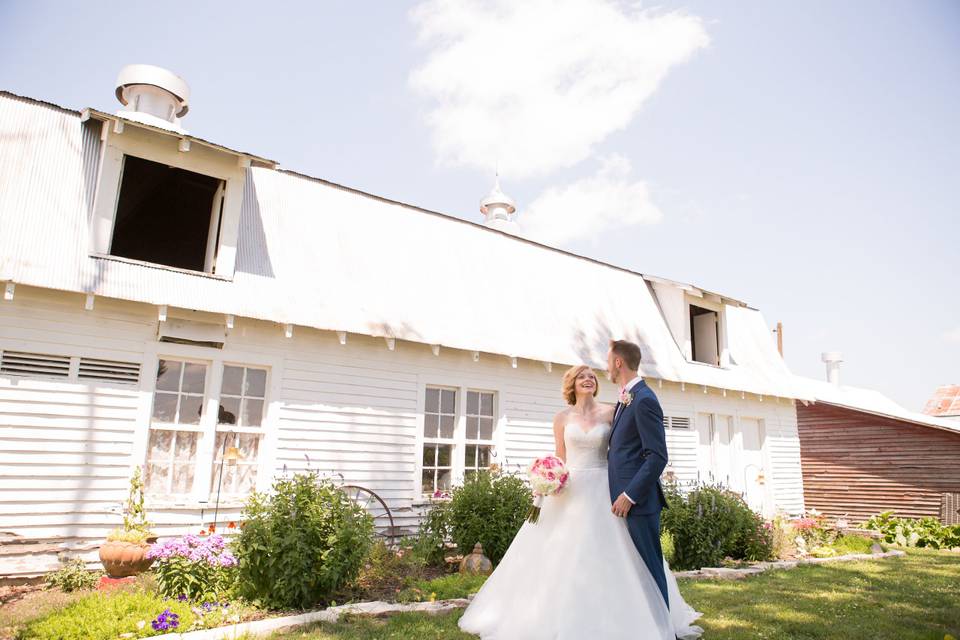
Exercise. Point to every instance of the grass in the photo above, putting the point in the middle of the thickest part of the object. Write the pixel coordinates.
(911, 598)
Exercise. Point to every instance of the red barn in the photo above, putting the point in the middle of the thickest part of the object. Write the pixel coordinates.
(862, 454)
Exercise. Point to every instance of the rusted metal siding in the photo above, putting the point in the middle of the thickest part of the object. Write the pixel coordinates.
(857, 464)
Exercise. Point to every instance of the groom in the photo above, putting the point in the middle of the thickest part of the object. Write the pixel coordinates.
(636, 458)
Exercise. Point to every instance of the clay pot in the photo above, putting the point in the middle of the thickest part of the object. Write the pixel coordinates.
(122, 559)
(476, 563)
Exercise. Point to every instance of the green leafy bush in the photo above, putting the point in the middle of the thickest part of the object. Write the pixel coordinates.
(709, 524)
(429, 546)
(105, 616)
(73, 576)
(909, 532)
(489, 509)
(300, 543)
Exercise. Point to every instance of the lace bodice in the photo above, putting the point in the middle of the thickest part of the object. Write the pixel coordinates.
(586, 449)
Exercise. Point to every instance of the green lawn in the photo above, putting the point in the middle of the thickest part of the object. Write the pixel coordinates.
(912, 598)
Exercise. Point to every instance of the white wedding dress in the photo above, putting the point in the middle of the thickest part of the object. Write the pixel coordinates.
(576, 575)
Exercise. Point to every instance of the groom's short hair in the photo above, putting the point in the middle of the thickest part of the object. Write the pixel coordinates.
(628, 352)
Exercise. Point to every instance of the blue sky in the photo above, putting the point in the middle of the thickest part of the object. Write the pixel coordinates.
(803, 157)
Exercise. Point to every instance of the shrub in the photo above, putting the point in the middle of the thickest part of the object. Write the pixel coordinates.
(430, 543)
(489, 509)
(200, 568)
(709, 523)
(908, 532)
(300, 543)
(102, 616)
(73, 576)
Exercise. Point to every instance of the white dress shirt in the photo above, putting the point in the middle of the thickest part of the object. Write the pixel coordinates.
(627, 387)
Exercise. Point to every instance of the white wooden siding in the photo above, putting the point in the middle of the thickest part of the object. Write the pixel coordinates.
(67, 447)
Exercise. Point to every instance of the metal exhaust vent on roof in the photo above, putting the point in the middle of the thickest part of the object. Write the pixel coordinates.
(153, 95)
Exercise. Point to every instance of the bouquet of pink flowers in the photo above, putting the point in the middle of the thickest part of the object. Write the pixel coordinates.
(548, 476)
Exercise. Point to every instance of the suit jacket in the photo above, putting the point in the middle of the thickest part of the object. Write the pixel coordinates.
(638, 452)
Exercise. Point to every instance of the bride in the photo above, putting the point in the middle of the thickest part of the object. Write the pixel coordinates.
(576, 574)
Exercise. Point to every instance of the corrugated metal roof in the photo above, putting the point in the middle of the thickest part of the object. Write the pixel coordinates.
(315, 254)
(945, 401)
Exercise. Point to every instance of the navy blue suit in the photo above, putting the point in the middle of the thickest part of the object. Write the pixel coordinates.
(635, 460)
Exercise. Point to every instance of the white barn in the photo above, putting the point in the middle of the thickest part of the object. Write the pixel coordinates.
(164, 297)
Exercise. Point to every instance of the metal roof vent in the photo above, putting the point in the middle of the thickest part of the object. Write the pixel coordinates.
(153, 95)
(832, 359)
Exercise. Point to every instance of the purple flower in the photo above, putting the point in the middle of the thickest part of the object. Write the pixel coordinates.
(165, 621)
(182, 598)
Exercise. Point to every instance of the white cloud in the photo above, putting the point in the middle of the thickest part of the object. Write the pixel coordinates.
(608, 200)
(535, 85)
(952, 335)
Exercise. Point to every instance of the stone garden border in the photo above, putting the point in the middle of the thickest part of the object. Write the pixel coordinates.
(374, 609)
(760, 567)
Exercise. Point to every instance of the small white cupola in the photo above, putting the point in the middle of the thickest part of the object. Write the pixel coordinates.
(498, 210)
(153, 95)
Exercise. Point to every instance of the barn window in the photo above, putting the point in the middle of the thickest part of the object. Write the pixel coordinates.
(175, 427)
(479, 437)
(704, 335)
(240, 425)
(167, 216)
(439, 422)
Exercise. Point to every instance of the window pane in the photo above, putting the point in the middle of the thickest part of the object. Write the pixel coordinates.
(252, 412)
(443, 455)
(160, 443)
(433, 401)
(186, 447)
(448, 401)
(249, 446)
(486, 429)
(430, 423)
(190, 408)
(232, 380)
(427, 481)
(446, 426)
(222, 441)
(229, 411)
(429, 455)
(164, 407)
(194, 376)
(246, 478)
(473, 428)
(156, 480)
(182, 478)
(470, 457)
(486, 404)
(473, 402)
(444, 480)
(483, 457)
(168, 375)
(256, 383)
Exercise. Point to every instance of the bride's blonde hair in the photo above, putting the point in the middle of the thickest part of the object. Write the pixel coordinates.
(570, 383)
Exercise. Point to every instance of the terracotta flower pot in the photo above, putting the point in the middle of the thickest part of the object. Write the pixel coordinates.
(122, 559)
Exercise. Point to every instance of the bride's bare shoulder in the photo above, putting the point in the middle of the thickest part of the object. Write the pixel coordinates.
(561, 416)
(607, 410)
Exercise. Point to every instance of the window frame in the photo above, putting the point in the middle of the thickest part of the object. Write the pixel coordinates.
(116, 142)
(203, 493)
(459, 441)
(723, 351)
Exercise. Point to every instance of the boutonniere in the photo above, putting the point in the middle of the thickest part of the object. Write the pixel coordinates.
(626, 398)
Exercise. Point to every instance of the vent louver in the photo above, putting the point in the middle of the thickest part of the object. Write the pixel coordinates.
(21, 363)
